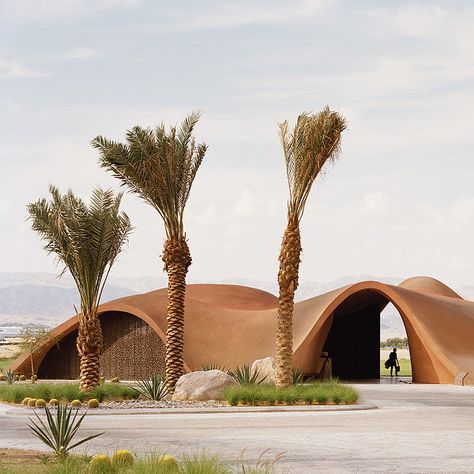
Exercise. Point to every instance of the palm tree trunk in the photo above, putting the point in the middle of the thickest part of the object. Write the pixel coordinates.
(89, 346)
(287, 282)
(177, 259)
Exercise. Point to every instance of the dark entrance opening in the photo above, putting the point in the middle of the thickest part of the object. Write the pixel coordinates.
(353, 342)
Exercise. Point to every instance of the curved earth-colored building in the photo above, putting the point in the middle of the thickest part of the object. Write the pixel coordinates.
(230, 325)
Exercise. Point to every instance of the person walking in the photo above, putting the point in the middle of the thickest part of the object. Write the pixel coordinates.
(393, 362)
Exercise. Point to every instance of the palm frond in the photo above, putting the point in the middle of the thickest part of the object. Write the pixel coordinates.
(86, 239)
(158, 165)
(314, 141)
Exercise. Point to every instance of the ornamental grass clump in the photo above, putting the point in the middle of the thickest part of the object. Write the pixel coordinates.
(317, 392)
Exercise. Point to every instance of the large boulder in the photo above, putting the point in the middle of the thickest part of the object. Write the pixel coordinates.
(202, 385)
(266, 369)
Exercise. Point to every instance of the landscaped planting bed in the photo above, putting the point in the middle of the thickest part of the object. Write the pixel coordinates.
(65, 392)
(321, 393)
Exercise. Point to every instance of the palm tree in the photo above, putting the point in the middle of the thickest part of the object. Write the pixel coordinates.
(86, 239)
(315, 140)
(160, 167)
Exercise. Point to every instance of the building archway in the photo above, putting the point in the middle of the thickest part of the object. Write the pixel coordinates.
(132, 351)
(353, 340)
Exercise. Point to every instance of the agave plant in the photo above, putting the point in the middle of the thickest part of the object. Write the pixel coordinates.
(154, 389)
(244, 375)
(213, 366)
(60, 429)
(9, 377)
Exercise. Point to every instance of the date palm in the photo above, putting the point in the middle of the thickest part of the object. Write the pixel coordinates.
(87, 240)
(314, 141)
(160, 167)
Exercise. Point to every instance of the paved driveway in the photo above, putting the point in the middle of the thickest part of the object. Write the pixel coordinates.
(417, 428)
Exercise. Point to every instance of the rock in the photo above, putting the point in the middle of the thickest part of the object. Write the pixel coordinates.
(266, 369)
(202, 385)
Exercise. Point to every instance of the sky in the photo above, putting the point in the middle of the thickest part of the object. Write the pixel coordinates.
(398, 202)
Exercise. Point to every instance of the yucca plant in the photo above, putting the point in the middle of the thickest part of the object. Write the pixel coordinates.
(153, 389)
(60, 429)
(314, 141)
(87, 240)
(9, 377)
(244, 375)
(160, 167)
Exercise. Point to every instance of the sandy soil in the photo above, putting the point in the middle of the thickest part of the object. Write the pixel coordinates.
(9, 351)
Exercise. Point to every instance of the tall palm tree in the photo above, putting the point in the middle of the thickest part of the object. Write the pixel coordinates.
(87, 240)
(160, 167)
(315, 140)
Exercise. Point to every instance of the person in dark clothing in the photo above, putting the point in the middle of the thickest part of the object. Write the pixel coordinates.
(393, 359)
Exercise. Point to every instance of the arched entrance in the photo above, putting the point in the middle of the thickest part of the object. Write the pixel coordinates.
(132, 351)
(353, 341)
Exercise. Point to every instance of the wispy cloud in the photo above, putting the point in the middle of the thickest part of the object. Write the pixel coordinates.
(241, 13)
(54, 10)
(13, 69)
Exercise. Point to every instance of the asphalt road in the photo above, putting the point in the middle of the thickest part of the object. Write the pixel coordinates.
(416, 428)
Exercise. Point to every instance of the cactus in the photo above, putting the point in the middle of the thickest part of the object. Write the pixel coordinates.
(32, 402)
(40, 403)
(102, 380)
(21, 378)
(76, 403)
(115, 380)
(100, 464)
(53, 402)
(122, 458)
(34, 378)
(25, 401)
(169, 463)
(93, 403)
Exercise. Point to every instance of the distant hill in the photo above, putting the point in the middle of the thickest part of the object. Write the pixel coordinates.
(42, 298)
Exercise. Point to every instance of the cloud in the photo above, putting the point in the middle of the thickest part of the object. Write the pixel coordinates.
(78, 53)
(59, 10)
(13, 69)
(242, 13)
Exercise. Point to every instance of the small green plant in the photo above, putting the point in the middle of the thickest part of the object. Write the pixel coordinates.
(202, 463)
(245, 376)
(169, 463)
(9, 377)
(154, 389)
(100, 464)
(53, 402)
(32, 402)
(40, 403)
(93, 403)
(76, 403)
(213, 366)
(60, 429)
(297, 376)
(122, 458)
(25, 401)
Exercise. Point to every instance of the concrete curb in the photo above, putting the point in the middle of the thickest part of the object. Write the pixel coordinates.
(19, 410)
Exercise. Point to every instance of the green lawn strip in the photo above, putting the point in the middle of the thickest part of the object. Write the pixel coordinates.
(64, 392)
(312, 393)
(5, 363)
(405, 368)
